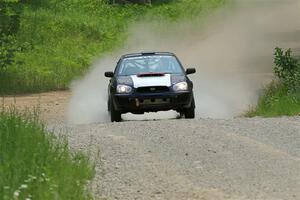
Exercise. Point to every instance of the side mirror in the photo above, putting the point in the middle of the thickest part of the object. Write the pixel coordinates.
(109, 74)
(190, 71)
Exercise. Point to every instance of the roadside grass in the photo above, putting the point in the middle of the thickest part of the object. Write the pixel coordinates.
(276, 101)
(35, 164)
(60, 39)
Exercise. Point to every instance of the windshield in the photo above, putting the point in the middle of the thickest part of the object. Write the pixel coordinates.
(149, 64)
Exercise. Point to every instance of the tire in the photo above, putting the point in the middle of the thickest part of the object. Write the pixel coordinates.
(190, 112)
(115, 116)
(108, 105)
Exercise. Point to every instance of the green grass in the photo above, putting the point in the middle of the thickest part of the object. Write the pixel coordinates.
(35, 164)
(277, 101)
(60, 39)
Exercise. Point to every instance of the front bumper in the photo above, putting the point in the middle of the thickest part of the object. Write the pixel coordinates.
(152, 102)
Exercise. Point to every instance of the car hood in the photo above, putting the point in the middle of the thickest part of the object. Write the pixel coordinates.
(137, 81)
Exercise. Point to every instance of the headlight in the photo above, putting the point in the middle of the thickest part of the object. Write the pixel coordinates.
(180, 86)
(123, 89)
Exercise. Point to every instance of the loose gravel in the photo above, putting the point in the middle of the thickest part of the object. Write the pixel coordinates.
(238, 158)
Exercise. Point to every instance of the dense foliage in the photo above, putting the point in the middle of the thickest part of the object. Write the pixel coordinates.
(55, 41)
(34, 164)
(10, 11)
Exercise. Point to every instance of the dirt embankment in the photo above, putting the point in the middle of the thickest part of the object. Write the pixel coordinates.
(52, 106)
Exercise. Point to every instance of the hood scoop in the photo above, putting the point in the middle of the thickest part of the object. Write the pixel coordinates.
(150, 74)
(151, 79)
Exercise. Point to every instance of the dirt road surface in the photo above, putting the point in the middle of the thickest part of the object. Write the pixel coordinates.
(237, 158)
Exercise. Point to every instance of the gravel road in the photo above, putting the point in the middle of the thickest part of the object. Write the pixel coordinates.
(205, 159)
(193, 159)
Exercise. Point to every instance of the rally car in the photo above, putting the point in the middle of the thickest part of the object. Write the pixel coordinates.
(150, 82)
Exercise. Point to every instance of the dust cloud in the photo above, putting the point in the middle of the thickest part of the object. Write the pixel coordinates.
(232, 50)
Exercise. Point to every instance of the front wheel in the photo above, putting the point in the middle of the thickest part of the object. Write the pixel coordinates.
(190, 112)
(115, 116)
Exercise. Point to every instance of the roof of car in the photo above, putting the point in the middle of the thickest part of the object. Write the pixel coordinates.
(147, 54)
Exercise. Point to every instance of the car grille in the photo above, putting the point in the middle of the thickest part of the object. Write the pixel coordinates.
(153, 89)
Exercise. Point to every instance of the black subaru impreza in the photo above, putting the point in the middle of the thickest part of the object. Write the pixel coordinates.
(150, 82)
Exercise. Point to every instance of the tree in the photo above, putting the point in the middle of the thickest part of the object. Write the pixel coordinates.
(10, 11)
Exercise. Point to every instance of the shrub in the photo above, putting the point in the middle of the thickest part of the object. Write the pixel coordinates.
(8, 48)
(287, 69)
(10, 11)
